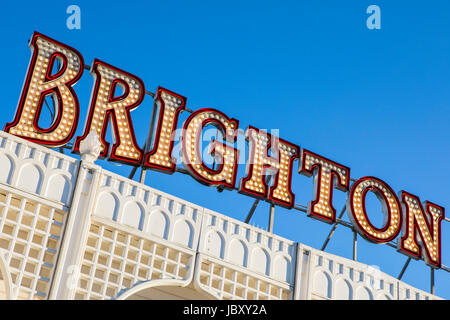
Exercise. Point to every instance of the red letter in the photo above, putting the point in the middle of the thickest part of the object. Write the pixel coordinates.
(106, 106)
(39, 83)
(422, 230)
(327, 175)
(356, 210)
(260, 163)
(170, 105)
(227, 156)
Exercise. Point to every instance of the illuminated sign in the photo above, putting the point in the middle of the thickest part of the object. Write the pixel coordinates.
(419, 225)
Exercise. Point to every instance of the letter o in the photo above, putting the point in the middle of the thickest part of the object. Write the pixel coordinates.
(391, 209)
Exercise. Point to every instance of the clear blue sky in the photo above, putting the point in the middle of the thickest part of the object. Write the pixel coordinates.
(377, 101)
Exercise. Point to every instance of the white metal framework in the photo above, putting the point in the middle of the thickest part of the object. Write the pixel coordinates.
(72, 230)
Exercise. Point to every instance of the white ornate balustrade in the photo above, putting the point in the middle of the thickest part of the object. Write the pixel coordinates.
(36, 186)
(71, 230)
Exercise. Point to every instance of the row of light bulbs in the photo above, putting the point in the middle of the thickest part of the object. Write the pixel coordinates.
(421, 223)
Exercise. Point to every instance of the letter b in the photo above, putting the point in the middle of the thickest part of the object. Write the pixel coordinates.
(42, 82)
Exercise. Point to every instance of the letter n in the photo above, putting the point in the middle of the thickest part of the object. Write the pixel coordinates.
(422, 230)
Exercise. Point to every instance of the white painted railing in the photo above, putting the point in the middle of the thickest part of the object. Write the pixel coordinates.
(36, 187)
(37, 170)
(120, 234)
(327, 276)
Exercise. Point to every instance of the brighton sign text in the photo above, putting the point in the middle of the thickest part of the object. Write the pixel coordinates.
(418, 224)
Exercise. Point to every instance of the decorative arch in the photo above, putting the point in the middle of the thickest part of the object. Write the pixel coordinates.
(216, 243)
(343, 289)
(322, 283)
(238, 252)
(132, 215)
(30, 177)
(59, 188)
(282, 268)
(143, 287)
(107, 205)
(158, 223)
(7, 166)
(183, 232)
(260, 260)
(363, 293)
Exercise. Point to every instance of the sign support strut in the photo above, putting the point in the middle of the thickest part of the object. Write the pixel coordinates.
(271, 215)
(332, 230)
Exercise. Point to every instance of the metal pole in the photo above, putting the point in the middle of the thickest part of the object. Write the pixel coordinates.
(332, 230)
(142, 176)
(404, 268)
(133, 171)
(445, 268)
(252, 210)
(214, 158)
(271, 214)
(355, 244)
(432, 281)
(148, 142)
